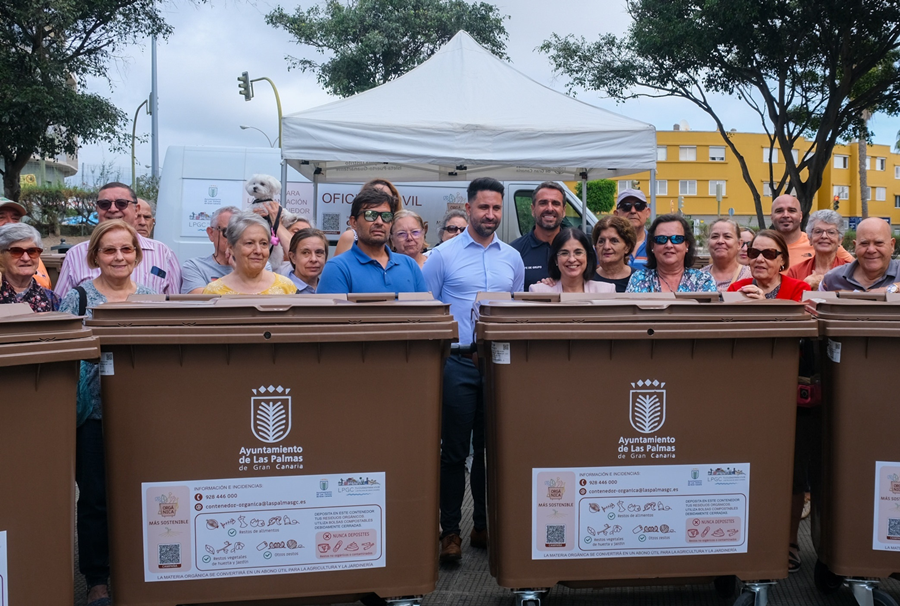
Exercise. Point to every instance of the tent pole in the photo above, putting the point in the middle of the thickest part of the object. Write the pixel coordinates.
(315, 201)
(652, 194)
(284, 183)
(584, 206)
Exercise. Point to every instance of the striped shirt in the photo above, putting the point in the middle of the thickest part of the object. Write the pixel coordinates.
(159, 270)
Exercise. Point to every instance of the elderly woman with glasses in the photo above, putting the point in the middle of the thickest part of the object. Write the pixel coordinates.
(20, 255)
(825, 229)
(408, 236)
(769, 257)
(670, 257)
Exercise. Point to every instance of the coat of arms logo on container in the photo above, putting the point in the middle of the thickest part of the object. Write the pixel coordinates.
(270, 413)
(647, 408)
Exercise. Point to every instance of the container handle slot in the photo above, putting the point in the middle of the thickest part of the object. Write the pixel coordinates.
(227, 354)
(272, 308)
(37, 376)
(133, 357)
(319, 352)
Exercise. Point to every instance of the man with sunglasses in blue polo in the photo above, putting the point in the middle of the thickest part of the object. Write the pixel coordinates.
(632, 205)
(369, 265)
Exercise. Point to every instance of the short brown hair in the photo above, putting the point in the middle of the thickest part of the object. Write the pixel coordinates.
(779, 242)
(397, 203)
(104, 228)
(623, 228)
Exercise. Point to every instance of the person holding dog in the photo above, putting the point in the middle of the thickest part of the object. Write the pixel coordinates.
(370, 265)
(249, 237)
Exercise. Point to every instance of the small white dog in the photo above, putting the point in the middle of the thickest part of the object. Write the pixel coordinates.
(263, 187)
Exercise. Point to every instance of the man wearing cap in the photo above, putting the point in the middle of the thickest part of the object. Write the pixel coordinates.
(548, 207)
(873, 268)
(159, 270)
(632, 205)
(12, 212)
(787, 218)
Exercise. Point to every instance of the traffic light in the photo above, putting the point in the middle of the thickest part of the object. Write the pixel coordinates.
(244, 86)
(836, 203)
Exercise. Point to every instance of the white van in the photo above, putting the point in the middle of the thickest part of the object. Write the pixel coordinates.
(198, 180)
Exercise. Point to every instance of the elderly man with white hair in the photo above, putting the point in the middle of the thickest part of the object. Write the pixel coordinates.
(825, 229)
(873, 270)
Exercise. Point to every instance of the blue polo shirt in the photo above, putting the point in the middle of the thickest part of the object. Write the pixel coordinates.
(639, 257)
(536, 257)
(356, 272)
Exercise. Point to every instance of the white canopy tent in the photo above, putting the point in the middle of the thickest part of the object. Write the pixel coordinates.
(460, 115)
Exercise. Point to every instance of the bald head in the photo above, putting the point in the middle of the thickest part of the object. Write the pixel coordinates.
(874, 246)
(143, 221)
(787, 217)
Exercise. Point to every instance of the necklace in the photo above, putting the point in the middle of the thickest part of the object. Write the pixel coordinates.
(661, 277)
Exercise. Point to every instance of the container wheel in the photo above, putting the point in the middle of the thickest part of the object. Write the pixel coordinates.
(883, 599)
(826, 581)
(747, 598)
(726, 586)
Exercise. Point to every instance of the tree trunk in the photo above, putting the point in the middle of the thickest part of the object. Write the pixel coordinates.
(12, 174)
(863, 178)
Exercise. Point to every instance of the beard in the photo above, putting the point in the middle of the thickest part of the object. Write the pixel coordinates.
(485, 230)
(370, 239)
(549, 222)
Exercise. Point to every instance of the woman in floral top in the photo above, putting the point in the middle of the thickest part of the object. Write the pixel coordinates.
(670, 256)
(20, 254)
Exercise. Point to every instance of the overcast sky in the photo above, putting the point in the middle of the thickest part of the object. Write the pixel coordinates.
(213, 43)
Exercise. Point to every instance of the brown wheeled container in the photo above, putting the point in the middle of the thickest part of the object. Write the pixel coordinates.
(272, 449)
(637, 440)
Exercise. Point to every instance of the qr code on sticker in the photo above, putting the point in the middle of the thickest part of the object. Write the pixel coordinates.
(170, 555)
(331, 223)
(556, 535)
(894, 529)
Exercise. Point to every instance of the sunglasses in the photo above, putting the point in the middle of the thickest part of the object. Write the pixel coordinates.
(120, 204)
(770, 253)
(663, 239)
(371, 215)
(18, 251)
(454, 229)
(110, 251)
(627, 206)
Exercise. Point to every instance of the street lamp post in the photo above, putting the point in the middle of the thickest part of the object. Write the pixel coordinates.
(261, 131)
(245, 88)
(133, 136)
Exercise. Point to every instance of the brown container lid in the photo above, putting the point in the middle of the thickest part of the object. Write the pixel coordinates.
(856, 314)
(36, 338)
(282, 319)
(585, 316)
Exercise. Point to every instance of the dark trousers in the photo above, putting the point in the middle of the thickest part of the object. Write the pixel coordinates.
(462, 419)
(90, 475)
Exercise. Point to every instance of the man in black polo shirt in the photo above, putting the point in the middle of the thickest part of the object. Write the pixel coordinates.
(548, 207)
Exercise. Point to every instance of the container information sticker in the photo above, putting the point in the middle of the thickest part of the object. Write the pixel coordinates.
(652, 510)
(500, 353)
(263, 526)
(4, 575)
(887, 507)
(107, 367)
(834, 351)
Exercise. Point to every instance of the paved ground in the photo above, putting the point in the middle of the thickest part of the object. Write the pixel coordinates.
(470, 584)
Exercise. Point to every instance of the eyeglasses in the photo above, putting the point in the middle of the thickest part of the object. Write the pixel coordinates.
(638, 206)
(409, 235)
(121, 204)
(745, 244)
(769, 253)
(831, 233)
(663, 239)
(454, 229)
(371, 215)
(18, 251)
(578, 253)
(110, 251)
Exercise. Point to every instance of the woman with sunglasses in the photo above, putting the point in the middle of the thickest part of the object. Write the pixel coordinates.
(769, 257)
(670, 257)
(114, 248)
(572, 265)
(20, 255)
(826, 231)
(746, 237)
(408, 236)
(345, 242)
(724, 246)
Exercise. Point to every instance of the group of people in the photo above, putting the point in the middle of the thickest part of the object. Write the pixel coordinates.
(385, 251)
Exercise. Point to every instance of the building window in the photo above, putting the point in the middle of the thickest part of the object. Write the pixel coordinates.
(770, 155)
(712, 187)
(662, 153)
(625, 184)
(897, 172)
(716, 153)
(868, 163)
(880, 194)
(842, 192)
(687, 153)
(896, 201)
(880, 163)
(796, 156)
(687, 188)
(841, 161)
(662, 188)
(767, 189)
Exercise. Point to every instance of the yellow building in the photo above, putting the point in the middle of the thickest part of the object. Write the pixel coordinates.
(692, 164)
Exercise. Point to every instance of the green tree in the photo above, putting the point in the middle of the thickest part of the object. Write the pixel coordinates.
(797, 65)
(375, 41)
(601, 195)
(47, 49)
